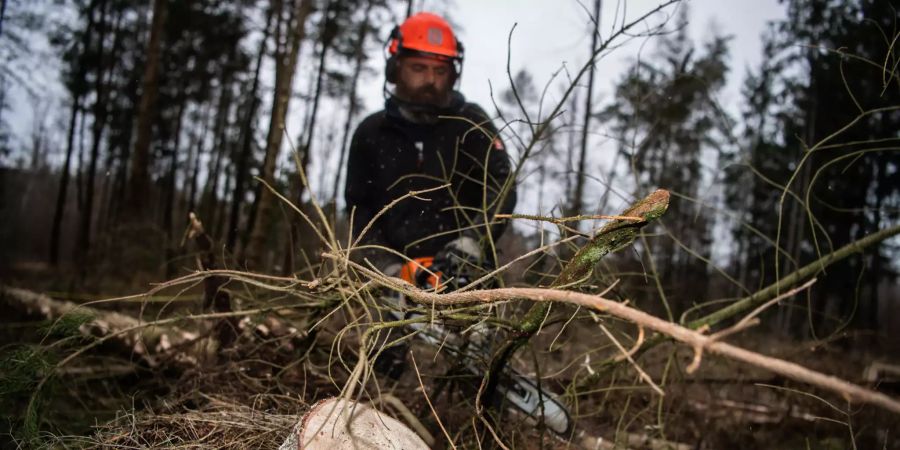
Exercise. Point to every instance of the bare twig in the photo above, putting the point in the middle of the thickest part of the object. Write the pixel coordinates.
(749, 320)
(428, 400)
(627, 356)
(637, 345)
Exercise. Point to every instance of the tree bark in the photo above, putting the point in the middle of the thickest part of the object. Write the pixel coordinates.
(209, 198)
(140, 176)
(64, 183)
(78, 81)
(169, 207)
(2, 15)
(352, 106)
(79, 174)
(242, 166)
(219, 217)
(327, 35)
(134, 335)
(284, 77)
(107, 193)
(197, 146)
(99, 112)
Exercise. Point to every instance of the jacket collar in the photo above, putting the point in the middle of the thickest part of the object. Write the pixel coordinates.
(418, 114)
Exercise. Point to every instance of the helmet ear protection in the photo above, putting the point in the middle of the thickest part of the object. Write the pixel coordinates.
(390, 67)
(396, 49)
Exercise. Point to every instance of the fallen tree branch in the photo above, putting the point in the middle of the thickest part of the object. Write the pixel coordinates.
(760, 297)
(693, 338)
(145, 340)
(773, 290)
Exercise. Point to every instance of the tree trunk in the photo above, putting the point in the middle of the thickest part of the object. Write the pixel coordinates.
(107, 194)
(64, 182)
(2, 15)
(223, 110)
(577, 198)
(284, 76)
(99, 112)
(169, 207)
(796, 222)
(218, 215)
(197, 146)
(352, 106)
(79, 174)
(570, 148)
(119, 195)
(130, 334)
(242, 166)
(327, 36)
(140, 160)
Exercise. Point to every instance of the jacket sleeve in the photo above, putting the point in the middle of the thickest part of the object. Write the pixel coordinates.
(499, 193)
(363, 201)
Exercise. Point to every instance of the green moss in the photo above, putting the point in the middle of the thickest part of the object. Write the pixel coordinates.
(614, 236)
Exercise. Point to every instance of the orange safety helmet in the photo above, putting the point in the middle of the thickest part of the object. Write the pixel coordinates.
(426, 34)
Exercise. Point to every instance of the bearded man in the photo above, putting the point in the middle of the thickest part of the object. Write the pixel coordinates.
(428, 136)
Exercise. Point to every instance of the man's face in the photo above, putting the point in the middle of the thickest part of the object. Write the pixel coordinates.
(424, 80)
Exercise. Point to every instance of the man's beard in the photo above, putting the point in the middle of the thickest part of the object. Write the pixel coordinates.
(429, 95)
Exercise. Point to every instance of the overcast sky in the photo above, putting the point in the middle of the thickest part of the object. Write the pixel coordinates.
(549, 34)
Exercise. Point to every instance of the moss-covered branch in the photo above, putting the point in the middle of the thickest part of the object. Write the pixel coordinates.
(612, 237)
(771, 291)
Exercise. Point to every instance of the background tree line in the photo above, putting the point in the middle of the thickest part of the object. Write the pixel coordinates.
(170, 110)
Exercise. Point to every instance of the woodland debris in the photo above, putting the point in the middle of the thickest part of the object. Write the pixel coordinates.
(881, 371)
(136, 336)
(630, 441)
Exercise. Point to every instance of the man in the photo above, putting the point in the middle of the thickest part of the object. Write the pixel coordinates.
(427, 136)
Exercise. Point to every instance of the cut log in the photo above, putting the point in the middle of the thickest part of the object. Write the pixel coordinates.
(339, 424)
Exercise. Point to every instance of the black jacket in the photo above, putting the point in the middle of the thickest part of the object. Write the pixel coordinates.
(390, 156)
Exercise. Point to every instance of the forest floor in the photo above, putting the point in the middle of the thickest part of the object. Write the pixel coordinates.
(251, 394)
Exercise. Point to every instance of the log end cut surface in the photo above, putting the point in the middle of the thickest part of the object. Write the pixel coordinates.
(337, 424)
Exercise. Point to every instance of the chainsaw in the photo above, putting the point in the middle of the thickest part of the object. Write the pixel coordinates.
(520, 391)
